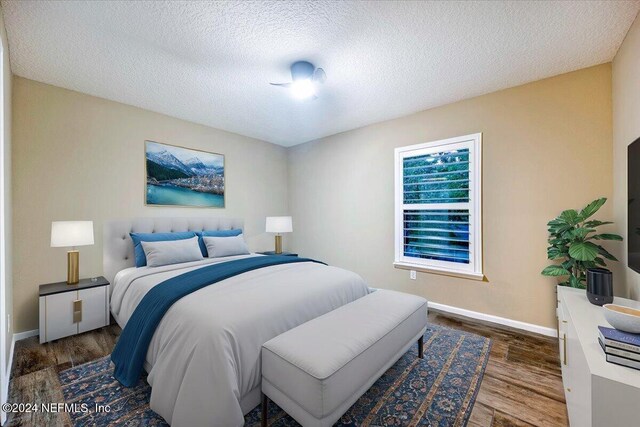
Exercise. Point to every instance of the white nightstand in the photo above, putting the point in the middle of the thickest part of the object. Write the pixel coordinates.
(71, 309)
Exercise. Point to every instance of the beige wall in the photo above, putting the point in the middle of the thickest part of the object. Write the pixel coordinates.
(626, 128)
(6, 72)
(547, 146)
(80, 157)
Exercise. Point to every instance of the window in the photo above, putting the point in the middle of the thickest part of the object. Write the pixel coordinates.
(438, 206)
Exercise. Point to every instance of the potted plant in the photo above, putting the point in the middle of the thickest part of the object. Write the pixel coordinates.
(573, 240)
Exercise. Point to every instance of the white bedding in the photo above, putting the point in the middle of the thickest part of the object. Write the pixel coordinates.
(204, 358)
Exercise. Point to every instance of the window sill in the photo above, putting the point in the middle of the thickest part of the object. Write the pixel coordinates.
(423, 269)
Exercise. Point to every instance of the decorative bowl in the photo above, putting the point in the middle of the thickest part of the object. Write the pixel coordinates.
(623, 318)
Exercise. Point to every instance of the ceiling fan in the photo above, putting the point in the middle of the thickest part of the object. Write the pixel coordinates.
(305, 80)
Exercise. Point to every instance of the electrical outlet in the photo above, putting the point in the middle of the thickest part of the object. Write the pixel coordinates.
(412, 274)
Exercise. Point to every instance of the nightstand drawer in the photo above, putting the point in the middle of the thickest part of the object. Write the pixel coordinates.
(94, 308)
(73, 309)
(56, 316)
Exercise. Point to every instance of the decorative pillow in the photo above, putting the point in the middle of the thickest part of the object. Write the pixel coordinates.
(141, 259)
(215, 233)
(225, 246)
(172, 251)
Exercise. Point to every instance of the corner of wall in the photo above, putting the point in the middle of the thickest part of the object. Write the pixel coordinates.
(626, 128)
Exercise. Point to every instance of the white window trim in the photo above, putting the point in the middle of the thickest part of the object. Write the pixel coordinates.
(473, 270)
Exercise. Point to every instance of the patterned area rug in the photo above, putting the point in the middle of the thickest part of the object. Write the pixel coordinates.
(439, 390)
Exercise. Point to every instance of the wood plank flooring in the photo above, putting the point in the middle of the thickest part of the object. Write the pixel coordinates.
(34, 374)
(522, 385)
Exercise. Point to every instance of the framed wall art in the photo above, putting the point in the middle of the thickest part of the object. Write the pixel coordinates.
(179, 176)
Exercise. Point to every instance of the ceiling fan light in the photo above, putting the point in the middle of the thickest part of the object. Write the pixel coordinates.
(303, 89)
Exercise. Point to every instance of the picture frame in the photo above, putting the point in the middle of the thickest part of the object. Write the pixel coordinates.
(178, 176)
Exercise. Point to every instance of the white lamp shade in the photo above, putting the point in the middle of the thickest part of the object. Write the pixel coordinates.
(279, 224)
(71, 233)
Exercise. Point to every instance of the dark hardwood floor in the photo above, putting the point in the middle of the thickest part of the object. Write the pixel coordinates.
(522, 385)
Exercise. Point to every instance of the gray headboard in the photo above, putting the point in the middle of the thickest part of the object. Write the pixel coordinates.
(117, 250)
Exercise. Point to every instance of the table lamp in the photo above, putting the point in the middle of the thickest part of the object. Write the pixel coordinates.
(279, 224)
(72, 234)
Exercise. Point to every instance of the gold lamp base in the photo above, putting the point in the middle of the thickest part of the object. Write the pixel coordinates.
(73, 266)
(278, 244)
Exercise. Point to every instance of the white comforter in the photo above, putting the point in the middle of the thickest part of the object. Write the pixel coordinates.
(204, 359)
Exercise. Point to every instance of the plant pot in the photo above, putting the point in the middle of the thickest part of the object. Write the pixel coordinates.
(599, 286)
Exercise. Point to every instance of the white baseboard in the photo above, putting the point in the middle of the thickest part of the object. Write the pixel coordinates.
(26, 334)
(516, 324)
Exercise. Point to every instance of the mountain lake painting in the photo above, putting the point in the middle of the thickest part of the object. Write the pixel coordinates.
(183, 177)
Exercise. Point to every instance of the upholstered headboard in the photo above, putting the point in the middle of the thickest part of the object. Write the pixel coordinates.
(117, 251)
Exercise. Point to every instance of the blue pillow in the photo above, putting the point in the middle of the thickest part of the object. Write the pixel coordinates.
(215, 233)
(141, 259)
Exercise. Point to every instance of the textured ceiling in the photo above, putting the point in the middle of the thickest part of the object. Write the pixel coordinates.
(211, 62)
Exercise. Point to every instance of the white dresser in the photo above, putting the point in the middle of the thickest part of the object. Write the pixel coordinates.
(72, 309)
(598, 393)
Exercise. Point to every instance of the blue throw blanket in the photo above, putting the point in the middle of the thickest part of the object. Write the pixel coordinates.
(133, 344)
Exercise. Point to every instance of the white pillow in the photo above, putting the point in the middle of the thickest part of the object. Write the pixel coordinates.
(225, 246)
(172, 251)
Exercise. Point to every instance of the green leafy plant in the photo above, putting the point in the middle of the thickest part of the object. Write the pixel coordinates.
(573, 242)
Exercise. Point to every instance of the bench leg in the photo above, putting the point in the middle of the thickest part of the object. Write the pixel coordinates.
(420, 347)
(265, 410)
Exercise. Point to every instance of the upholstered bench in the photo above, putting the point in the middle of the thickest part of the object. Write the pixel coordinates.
(315, 372)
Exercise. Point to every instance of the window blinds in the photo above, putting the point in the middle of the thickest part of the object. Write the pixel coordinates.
(436, 210)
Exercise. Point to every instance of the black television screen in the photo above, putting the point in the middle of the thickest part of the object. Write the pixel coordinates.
(633, 217)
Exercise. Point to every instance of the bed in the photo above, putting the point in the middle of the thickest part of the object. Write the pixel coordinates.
(204, 358)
